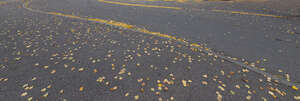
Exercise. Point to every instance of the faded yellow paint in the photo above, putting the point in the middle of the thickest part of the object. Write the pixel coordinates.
(199, 1)
(135, 28)
(180, 1)
(138, 29)
(138, 5)
(145, 31)
(178, 8)
(6, 2)
(109, 22)
(3, 2)
(248, 13)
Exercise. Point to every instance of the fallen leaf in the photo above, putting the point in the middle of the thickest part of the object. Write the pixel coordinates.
(126, 94)
(219, 96)
(171, 98)
(80, 69)
(295, 88)
(248, 97)
(297, 97)
(46, 94)
(100, 79)
(221, 88)
(184, 83)
(30, 98)
(24, 94)
(113, 88)
(81, 88)
(204, 82)
(136, 97)
(43, 90)
(272, 93)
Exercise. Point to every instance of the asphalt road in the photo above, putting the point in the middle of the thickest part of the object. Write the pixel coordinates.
(148, 50)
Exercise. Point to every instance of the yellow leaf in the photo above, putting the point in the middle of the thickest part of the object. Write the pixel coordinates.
(294, 87)
(81, 88)
(184, 83)
(24, 94)
(29, 99)
(297, 97)
(136, 97)
(43, 90)
(114, 88)
(159, 85)
(46, 94)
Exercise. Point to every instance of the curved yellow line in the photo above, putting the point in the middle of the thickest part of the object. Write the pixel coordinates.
(3, 2)
(178, 8)
(180, 1)
(138, 5)
(6, 2)
(108, 22)
(193, 46)
(133, 27)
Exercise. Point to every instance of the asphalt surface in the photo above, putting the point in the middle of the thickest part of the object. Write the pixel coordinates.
(109, 50)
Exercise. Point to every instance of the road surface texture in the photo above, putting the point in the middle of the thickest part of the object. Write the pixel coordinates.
(149, 50)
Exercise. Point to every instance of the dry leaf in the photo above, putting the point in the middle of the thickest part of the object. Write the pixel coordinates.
(297, 97)
(136, 97)
(81, 88)
(184, 83)
(113, 88)
(24, 94)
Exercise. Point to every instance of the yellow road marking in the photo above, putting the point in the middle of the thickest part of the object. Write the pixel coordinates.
(6, 2)
(138, 5)
(178, 8)
(3, 2)
(248, 13)
(108, 22)
(180, 1)
(162, 35)
(135, 28)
